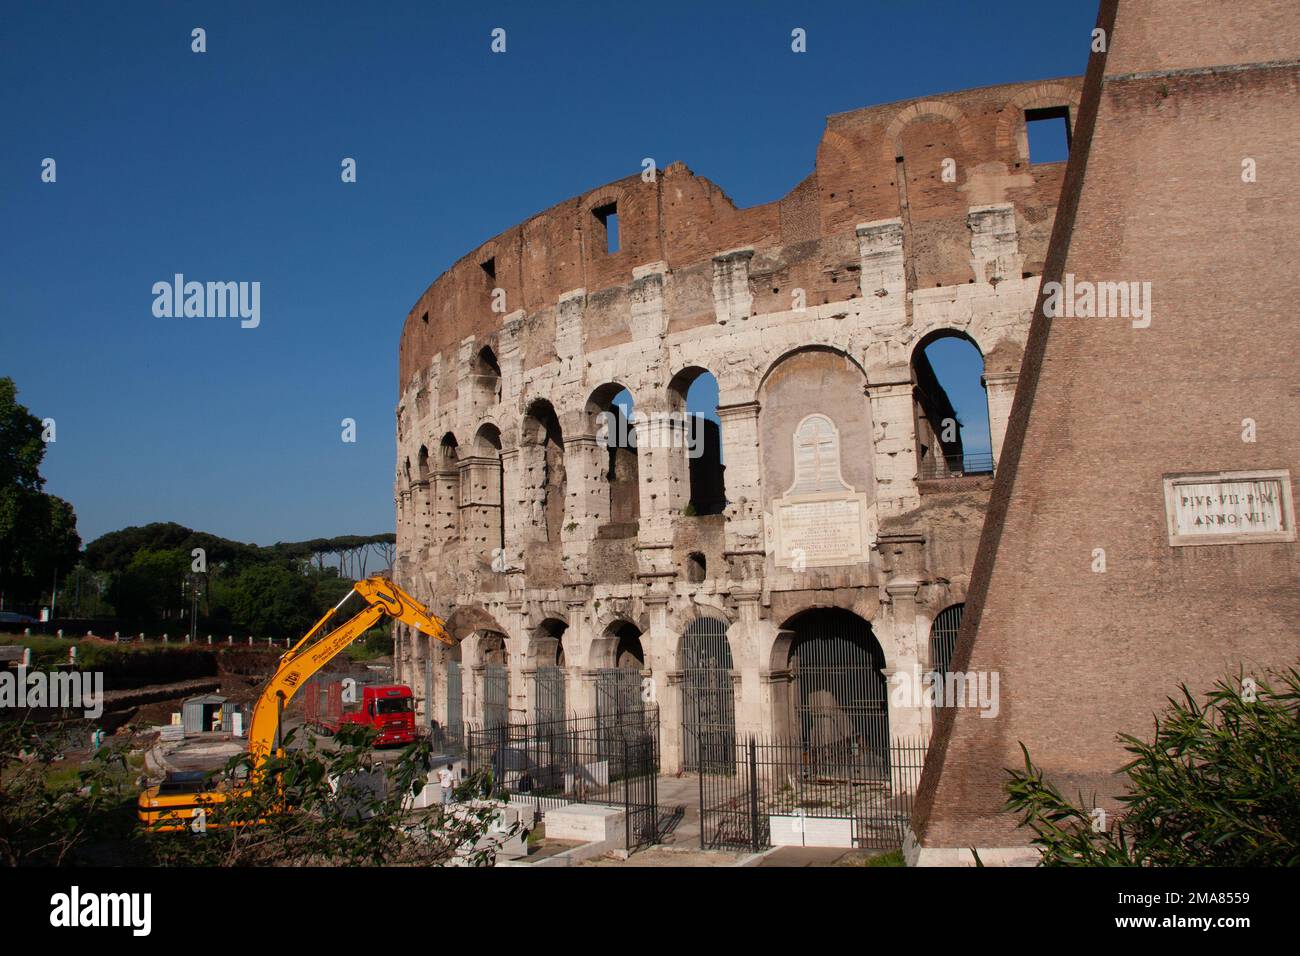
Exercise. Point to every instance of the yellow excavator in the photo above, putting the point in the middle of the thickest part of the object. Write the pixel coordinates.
(181, 797)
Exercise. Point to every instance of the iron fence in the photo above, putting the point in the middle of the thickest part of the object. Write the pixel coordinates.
(708, 697)
(496, 695)
(577, 760)
(792, 792)
(943, 638)
(548, 694)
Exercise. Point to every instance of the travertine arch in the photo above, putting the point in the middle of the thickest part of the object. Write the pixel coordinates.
(681, 622)
(778, 658)
(489, 439)
(801, 349)
(894, 132)
(544, 639)
(932, 335)
(615, 611)
(974, 333)
(467, 619)
(602, 650)
(1011, 124)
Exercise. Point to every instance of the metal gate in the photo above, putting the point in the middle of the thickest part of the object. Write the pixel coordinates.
(708, 701)
(840, 697)
(455, 705)
(548, 694)
(619, 708)
(573, 761)
(496, 695)
(776, 793)
(641, 788)
(943, 638)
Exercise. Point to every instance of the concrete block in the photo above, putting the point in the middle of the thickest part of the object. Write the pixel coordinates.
(587, 823)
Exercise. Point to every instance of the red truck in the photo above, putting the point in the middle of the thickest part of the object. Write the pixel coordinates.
(389, 708)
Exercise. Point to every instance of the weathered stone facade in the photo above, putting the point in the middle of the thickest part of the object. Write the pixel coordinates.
(515, 523)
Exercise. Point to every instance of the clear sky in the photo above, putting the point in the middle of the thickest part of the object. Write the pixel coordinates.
(225, 166)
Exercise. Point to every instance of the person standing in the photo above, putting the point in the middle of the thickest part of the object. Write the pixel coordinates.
(447, 784)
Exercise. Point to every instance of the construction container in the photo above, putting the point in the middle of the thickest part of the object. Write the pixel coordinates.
(200, 714)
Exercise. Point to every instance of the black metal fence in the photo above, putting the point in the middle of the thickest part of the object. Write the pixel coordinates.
(577, 760)
(783, 792)
(955, 466)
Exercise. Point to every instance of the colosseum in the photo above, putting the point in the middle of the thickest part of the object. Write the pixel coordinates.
(651, 446)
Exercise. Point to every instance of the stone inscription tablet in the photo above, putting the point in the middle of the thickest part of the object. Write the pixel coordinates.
(1229, 508)
(820, 520)
(827, 530)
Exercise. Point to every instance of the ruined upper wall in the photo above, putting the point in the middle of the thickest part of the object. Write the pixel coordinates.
(875, 163)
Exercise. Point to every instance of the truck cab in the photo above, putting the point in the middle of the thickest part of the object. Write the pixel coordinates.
(390, 710)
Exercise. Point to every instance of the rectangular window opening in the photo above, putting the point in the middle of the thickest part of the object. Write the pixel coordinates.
(490, 269)
(1048, 130)
(607, 216)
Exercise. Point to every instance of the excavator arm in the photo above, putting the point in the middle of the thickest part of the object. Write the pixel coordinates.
(301, 662)
(170, 806)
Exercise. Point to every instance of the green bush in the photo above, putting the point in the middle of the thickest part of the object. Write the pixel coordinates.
(1218, 785)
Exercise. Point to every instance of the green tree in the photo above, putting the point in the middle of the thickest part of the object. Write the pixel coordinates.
(273, 601)
(149, 589)
(1218, 785)
(38, 532)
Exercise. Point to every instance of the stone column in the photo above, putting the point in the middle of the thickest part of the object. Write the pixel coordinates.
(516, 511)
(883, 276)
(744, 547)
(658, 642)
(732, 299)
(906, 660)
(586, 463)
(1001, 389)
(777, 687)
(445, 520)
(481, 504)
(665, 489)
(517, 650)
(745, 637)
(580, 680)
(893, 429)
(994, 246)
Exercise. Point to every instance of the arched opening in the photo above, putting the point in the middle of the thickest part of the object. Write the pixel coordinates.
(542, 457)
(951, 407)
(838, 694)
(486, 378)
(693, 397)
(495, 660)
(446, 518)
(611, 413)
(696, 567)
(548, 674)
(708, 698)
(487, 488)
(943, 638)
(619, 703)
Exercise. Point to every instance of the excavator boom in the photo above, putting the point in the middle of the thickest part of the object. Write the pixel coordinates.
(298, 665)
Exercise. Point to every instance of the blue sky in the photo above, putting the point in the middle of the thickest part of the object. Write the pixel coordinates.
(225, 166)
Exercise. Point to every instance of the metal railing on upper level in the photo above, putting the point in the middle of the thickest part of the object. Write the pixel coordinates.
(955, 466)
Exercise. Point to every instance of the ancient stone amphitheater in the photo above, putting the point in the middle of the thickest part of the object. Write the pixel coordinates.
(599, 526)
